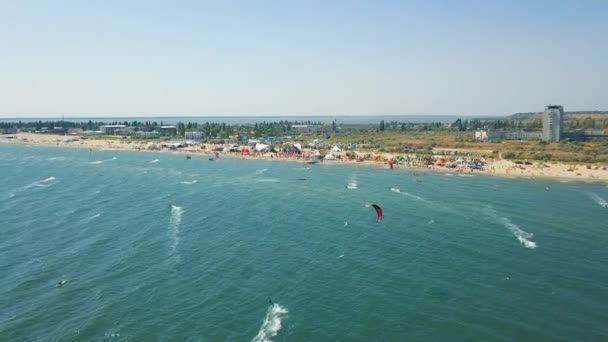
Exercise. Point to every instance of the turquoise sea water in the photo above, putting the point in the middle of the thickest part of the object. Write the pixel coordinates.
(155, 247)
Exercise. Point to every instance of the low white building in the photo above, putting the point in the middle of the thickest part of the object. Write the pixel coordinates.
(481, 135)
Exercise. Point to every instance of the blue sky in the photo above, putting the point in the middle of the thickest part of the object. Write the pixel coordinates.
(138, 58)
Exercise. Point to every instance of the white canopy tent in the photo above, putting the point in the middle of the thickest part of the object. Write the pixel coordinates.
(262, 147)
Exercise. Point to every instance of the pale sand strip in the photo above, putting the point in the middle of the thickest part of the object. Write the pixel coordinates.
(499, 167)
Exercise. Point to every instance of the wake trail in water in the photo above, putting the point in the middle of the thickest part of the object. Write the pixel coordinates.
(45, 183)
(410, 195)
(352, 183)
(174, 222)
(102, 161)
(272, 323)
(432, 204)
(522, 236)
(597, 199)
(267, 180)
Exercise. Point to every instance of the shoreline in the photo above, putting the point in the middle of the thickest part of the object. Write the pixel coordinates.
(500, 168)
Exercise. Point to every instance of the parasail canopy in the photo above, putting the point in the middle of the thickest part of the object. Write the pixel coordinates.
(378, 210)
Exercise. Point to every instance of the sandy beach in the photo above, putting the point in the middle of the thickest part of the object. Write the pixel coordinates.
(498, 167)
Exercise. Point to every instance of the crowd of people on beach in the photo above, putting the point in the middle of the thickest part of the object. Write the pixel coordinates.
(463, 162)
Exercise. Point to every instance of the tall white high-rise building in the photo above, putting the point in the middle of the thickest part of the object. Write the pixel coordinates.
(553, 123)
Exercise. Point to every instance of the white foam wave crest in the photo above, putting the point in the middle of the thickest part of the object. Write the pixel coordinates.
(95, 216)
(521, 235)
(395, 190)
(189, 182)
(272, 323)
(57, 158)
(154, 161)
(174, 222)
(600, 201)
(259, 172)
(465, 175)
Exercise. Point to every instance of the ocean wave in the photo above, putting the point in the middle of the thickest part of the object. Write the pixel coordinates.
(174, 222)
(272, 323)
(189, 182)
(597, 199)
(154, 161)
(57, 158)
(259, 172)
(395, 190)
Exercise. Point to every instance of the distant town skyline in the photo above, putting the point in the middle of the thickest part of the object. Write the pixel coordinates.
(317, 58)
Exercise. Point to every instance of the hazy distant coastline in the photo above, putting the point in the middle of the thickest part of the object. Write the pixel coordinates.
(344, 119)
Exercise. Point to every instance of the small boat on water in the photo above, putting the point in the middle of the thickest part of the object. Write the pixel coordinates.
(311, 161)
(188, 157)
